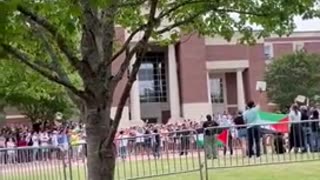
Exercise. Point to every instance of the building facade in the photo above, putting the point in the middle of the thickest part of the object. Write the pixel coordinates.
(202, 75)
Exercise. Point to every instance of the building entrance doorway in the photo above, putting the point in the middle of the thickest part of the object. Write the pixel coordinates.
(217, 86)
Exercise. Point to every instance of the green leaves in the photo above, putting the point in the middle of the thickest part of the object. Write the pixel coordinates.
(30, 93)
(292, 75)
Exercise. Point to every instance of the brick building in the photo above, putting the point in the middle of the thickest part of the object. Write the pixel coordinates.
(202, 75)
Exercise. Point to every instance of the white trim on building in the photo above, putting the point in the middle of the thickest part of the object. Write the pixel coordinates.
(227, 65)
(218, 40)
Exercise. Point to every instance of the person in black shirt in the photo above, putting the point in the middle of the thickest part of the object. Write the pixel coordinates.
(156, 144)
(148, 141)
(279, 144)
(242, 132)
(306, 130)
(185, 140)
(210, 141)
(315, 132)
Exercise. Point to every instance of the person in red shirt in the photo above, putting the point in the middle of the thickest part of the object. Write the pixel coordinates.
(22, 153)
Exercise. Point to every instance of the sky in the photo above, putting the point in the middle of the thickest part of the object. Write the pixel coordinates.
(307, 25)
(301, 25)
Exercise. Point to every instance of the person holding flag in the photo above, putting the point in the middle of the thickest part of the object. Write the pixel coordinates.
(251, 117)
(210, 140)
(226, 122)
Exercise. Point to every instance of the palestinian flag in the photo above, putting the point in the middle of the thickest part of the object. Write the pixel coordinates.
(222, 139)
(278, 122)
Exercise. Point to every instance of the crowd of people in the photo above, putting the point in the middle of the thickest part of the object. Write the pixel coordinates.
(39, 139)
(303, 134)
(153, 139)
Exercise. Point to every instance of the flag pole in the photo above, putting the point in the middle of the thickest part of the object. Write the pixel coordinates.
(260, 95)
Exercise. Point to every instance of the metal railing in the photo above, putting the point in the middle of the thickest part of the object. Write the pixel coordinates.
(157, 155)
(262, 144)
(33, 163)
(190, 151)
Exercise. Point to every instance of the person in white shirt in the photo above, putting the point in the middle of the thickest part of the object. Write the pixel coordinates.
(123, 145)
(295, 133)
(44, 143)
(139, 141)
(54, 139)
(11, 152)
(35, 144)
(44, 139)
(55, 144)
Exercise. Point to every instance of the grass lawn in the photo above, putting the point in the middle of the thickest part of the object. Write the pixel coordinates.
(149, 167)
(296, 171)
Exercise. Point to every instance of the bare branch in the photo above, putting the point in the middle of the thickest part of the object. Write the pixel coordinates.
(176, 6)
(198, 14)
(25, 59)
(133, 3)
(125, 45)
(179, 23)
(53, 30)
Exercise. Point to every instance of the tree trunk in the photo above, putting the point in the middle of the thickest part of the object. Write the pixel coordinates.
(101, 159)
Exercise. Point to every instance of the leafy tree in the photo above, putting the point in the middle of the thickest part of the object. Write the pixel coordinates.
(292, 75)
(54, 36)
(34, 96)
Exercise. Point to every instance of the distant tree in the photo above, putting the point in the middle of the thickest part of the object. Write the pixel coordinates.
(292, 75)
(34, 96)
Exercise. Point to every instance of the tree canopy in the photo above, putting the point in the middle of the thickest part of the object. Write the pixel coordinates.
(34, 96)
(57, 38)
(293, 75)
(54, 37)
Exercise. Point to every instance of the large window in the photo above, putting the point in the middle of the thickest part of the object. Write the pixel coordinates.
(152, 78)
(216, 88)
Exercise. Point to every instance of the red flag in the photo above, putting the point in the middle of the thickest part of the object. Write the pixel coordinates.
(223, 137)
(283, 126)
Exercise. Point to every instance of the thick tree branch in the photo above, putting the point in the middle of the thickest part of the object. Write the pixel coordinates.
(124, 98)
(141, 44)
(53, 30)
(140, 49)
(98, 36)
(92, 35)
(25, 59)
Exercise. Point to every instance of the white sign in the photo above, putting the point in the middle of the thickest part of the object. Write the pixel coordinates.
(261, 86)
(300, 99)
(59, 115)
